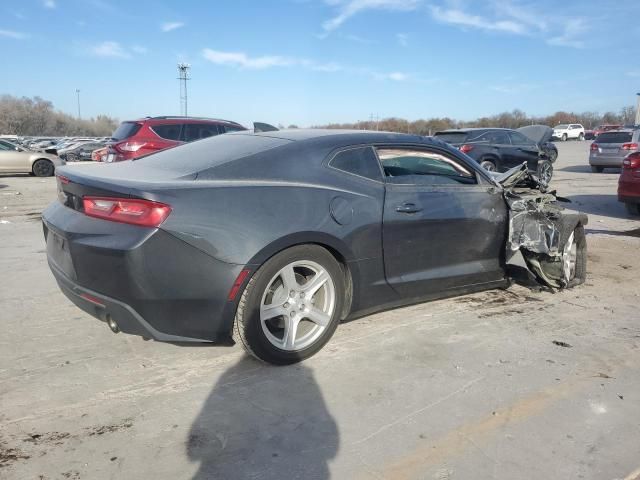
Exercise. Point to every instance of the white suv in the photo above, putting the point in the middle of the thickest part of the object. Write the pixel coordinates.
(566, 131)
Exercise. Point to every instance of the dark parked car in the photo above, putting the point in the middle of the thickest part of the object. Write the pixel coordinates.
(279, 236)
(499, 149)
(149, 135)
(81, 152)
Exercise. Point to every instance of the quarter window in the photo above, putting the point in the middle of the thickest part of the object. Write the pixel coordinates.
(360, 161)
(197, 131)
(425, 167)
(168, 132)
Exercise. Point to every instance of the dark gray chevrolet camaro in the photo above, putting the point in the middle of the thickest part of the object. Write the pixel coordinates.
(275, 237)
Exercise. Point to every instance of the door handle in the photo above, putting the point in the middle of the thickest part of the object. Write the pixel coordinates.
(408, 208)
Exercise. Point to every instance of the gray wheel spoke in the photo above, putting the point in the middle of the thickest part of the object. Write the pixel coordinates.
(313, 285)
(318, 317)
(289, 278)
(290, 331)
(272, 311)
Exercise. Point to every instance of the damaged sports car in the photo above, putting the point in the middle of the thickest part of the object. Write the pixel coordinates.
(274, 238)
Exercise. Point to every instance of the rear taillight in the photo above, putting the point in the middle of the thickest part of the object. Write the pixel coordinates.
(629, 146)
(144, 213)
(632, 161)
(594, 147)
(466, 148)
(129, 146)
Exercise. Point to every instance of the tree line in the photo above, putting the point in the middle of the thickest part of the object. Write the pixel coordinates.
(514, 119)
(37, 117)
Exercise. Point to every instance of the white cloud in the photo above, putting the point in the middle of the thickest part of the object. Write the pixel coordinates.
(243, 61)
(403, 39)
(170, 26)
(349, 8)
(109, 49)
(569, 38)
(139, 49)
(14, 35)
(49, 3)
(460, 18)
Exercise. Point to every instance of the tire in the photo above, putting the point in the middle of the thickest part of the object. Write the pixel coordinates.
(42, 168)
(579, 274)
(71, 157)
(552, 155)
(633, 208)
(488, 165)
(545, 171)
(564, 137)
(597, 169)
(261, 321)
(581, 137)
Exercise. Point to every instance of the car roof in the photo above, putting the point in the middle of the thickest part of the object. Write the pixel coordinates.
(473, 129)
(343, 136)
(621, 130)
(181, 118)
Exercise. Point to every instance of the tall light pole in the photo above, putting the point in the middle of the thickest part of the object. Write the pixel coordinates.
(183, 76)
(638, 109)
(78, 98)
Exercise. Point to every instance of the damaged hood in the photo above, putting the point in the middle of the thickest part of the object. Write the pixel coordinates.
(519, 176)
(537, 133)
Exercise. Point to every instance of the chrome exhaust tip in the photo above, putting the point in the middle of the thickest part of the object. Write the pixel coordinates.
(112, 324)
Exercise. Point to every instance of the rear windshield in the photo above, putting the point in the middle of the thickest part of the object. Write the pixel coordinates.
(452, 137)
(210, 152)
(614, 137)
(126, 130)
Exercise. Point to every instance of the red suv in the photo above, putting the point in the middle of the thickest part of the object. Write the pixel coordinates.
(136, 138)
(629, 183)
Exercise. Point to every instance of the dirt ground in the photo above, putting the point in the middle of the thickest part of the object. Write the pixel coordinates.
(513, 384)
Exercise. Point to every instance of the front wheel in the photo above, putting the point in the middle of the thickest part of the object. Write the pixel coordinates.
(545, 171)
(488, 165)
(43, 168)
(291, 306)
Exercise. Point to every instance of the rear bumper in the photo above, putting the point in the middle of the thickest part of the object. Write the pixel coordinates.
(146, 280)
(605, 161)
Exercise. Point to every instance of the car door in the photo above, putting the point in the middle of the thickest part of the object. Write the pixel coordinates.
(12, 160)
(443, 228)
(523, 150)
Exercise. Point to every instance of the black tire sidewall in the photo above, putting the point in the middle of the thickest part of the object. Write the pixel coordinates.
(50, 169)
(248, 320)
(580, 239)
(541, 165)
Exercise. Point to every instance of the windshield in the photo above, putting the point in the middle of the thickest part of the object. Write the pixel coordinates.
(562, 127)
(451, 137)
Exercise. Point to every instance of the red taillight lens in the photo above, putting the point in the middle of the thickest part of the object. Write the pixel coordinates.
(129, 146)
(630, 146)
(466, 148)
(632, 161)
(594, 147)
(144, 213)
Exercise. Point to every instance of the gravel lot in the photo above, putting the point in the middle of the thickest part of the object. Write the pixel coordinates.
(471, 387)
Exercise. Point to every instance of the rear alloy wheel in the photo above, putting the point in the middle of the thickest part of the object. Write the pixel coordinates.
(545, 171)
(291, 306)
(564, 137)
(633, 208)
(574, 258)
(42, 168)
(488, 165)
(597, 169)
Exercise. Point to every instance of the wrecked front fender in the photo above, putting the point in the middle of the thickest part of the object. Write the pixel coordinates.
(547, 237)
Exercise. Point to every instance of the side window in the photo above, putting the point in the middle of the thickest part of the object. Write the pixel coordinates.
(4, 147)
(168, 132)
(423, 167)
(197, 131)
(518, 139)
(360, 161)
(229, 129)
(494, 137)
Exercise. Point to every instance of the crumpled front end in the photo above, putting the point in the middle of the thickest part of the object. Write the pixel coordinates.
(541, 232)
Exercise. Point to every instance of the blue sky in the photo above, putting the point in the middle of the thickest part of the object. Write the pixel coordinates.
(316, 61)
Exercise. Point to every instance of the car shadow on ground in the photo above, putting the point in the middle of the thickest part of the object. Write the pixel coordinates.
(264, 422)
(586, 169)
(604, 205)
